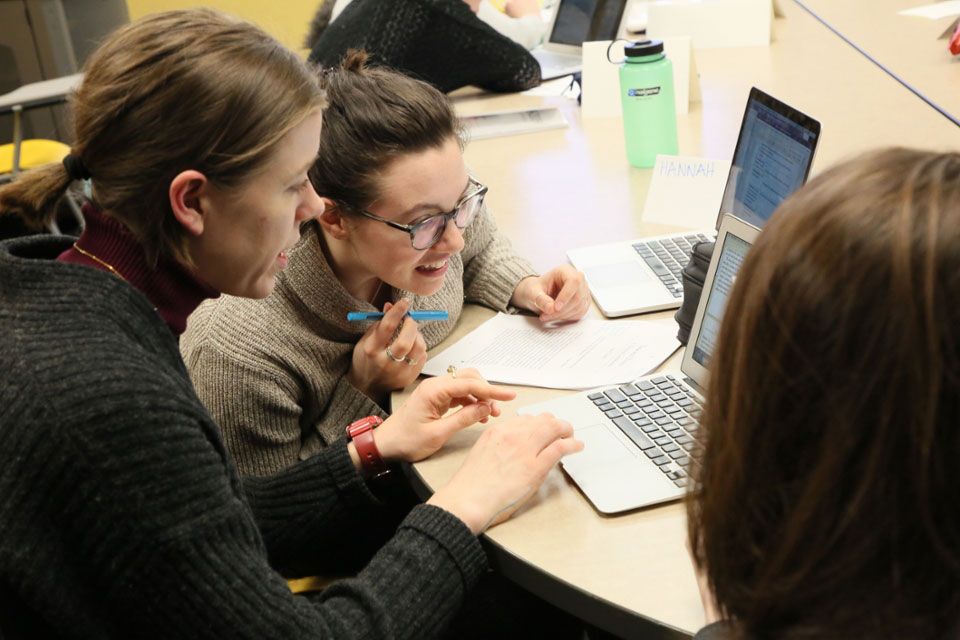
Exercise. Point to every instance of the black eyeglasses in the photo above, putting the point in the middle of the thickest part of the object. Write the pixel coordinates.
(427, 232)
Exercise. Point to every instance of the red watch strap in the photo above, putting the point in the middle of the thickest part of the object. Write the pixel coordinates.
(361, 432)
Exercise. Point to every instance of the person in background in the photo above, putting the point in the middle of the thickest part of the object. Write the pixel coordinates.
(824, 503)
(284, 375)
(520, 20)
(442, 42)
(123, 514)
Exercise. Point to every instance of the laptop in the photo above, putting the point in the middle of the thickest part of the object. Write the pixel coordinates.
(772, 159)
(573, 23)
(640, 436)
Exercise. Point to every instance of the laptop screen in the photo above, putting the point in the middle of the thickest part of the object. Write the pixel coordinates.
(580, 21)
(732, 253)
(772, 158)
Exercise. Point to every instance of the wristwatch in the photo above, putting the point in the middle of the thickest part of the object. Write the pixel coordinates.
(361, 432)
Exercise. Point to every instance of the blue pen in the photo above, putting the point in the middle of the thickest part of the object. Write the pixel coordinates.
(419, 316)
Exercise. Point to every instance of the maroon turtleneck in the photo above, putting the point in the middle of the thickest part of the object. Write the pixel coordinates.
(170, 287)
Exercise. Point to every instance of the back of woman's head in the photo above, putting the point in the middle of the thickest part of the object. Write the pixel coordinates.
(823, 504)
(375, 115)
(193, 89)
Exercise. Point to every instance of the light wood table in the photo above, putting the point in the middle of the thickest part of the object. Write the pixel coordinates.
(558, 189)
(555, 190)
(906, 45)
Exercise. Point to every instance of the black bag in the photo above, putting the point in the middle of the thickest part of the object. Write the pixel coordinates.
(693, 276)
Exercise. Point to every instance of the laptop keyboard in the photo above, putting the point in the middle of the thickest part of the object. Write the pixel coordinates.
(668, 256)
(659, 415)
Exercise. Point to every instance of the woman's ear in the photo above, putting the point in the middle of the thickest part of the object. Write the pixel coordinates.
(332, 220)
(188, 200)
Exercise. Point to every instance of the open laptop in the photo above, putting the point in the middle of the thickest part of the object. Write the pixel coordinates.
(575, 22)
(639, 436)
(772, 159)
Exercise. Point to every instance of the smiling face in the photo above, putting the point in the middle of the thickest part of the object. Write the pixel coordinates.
(247, 231)
(411, 188)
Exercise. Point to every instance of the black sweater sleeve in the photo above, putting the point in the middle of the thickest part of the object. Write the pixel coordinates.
(158, 541)
(320, 517)
(121, 513)
(440, 41)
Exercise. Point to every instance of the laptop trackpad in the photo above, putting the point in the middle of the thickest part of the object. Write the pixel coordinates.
(600, 447)
(622, 274)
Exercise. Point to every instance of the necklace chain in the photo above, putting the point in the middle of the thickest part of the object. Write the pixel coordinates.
(376, 293)
(104, 263)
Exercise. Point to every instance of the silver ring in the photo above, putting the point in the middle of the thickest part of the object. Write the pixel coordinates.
(393, 357)
(410, 361)
(452, 370)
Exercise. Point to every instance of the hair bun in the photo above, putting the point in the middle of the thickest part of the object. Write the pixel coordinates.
(355, 60)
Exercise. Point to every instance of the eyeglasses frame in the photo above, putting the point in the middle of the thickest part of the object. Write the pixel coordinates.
(411, 229)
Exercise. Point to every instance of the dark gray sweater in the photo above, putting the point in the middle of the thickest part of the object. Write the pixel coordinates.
(122, 515)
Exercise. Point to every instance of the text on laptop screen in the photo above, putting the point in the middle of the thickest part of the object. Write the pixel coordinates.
(579, 21)
(731, 256)
(772, 160)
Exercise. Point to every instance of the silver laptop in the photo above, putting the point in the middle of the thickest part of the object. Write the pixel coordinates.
(772, 159)
(573, 23)
(640, 436)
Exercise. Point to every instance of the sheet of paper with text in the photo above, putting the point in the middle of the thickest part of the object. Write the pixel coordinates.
(577, 355)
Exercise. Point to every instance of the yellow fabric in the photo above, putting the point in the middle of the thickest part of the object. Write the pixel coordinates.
(33, 153)
(287, 21)
(310, 583)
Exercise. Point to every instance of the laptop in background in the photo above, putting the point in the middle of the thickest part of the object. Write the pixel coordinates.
(575, 22)
(640, 436)
(772, 159)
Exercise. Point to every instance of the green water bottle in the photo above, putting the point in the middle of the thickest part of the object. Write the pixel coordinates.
(649, 112)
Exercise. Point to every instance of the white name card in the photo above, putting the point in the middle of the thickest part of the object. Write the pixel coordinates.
(686, 191)
(712, 24)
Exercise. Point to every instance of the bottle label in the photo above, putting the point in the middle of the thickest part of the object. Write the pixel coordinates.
(646, 92)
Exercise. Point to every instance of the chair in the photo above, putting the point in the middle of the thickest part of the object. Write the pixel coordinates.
(26, 154)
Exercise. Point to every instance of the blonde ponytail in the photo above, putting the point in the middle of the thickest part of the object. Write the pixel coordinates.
(33, 194)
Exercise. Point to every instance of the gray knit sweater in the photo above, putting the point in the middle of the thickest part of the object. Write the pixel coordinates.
(122, 514)
(273, 372)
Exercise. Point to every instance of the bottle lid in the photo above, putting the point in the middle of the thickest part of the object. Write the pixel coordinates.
(643, 48)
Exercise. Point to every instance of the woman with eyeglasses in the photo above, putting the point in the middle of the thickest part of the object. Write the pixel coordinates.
(122, 514)
(404, 227)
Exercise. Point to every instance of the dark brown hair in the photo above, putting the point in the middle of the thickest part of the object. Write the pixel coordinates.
(375, 115)
(193, 89)
(823, 504)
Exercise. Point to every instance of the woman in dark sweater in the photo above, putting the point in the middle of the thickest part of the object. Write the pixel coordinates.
(123, 515)
(825, 504)
(442, 42)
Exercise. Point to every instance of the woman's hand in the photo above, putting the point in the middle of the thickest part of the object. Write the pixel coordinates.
(559, 294)
(420, 426)
(373, 371)
(505, 467)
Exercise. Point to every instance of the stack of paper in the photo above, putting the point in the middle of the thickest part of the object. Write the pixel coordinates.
(508, 123)
(580, 355)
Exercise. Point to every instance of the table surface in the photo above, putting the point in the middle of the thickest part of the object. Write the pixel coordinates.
(909, 46)
(554, 190)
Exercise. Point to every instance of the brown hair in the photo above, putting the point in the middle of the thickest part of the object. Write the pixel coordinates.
(822, 507)
(193, 89)
(375, 115)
